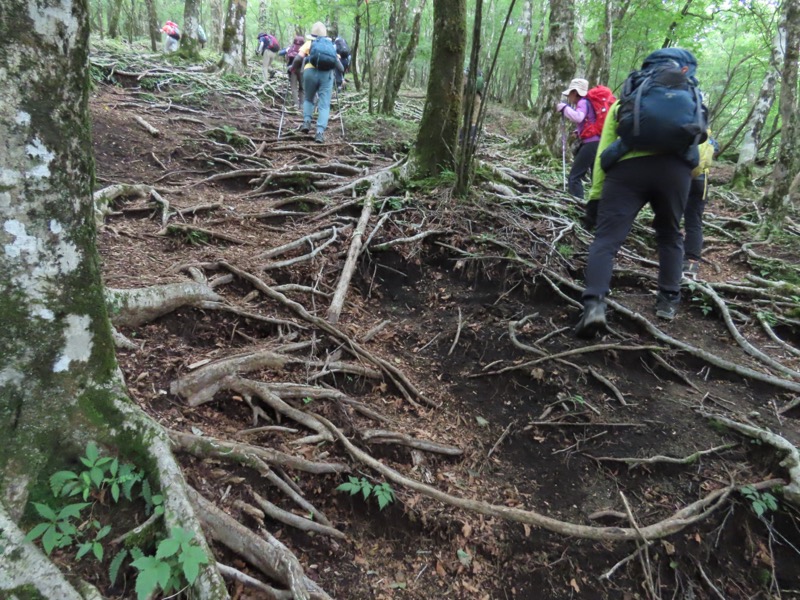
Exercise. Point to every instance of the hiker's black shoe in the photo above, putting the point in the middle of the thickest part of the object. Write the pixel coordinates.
(667, 306)
(305, 127)
(593, 320)
(319, 138)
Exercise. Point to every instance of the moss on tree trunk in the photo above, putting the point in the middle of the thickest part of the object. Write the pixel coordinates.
(435, 147)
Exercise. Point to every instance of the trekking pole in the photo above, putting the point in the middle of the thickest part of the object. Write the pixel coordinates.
(283, 107)
(563, 154)
(339, 104)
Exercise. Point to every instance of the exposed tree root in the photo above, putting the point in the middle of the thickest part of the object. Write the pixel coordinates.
(693, 513)
(791, 462)
(135, 307)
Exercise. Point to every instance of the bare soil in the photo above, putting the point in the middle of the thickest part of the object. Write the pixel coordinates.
(531, 437)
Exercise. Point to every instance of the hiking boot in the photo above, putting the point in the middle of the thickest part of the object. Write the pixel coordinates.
(593, 319)
(305, 127)
(691, 269)
(667, 305)
(319, 138)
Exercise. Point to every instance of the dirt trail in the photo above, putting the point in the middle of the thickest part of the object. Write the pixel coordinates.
(533, 437)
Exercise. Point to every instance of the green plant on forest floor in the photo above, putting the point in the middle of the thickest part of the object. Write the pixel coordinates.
(382, 492)
(760, 502)
(177, 559)
(175, 564)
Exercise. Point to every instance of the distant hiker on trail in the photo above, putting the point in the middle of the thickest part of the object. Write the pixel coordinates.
(647, 151)
(588, 110)
(343, 51)
(695, 206)
(268, 48)
(320, 61)
(294, 68)
(173, 38)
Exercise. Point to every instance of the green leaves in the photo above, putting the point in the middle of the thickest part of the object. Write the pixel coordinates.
(382, 492)
(760, 502)
(177, 559)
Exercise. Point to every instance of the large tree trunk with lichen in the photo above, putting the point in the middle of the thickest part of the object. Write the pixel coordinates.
(398, 63)
(434, 150)
(190, 44)
(233, 58)
(778, 200)
(59, 381)
(748, 149)
(557, 68)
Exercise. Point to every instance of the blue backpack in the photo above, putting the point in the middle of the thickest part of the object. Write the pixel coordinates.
(323, 54)
(661, 109)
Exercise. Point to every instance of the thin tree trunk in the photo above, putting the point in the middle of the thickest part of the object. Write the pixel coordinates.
(558, 68)
(599, 71)
(190, 45)
(217, 29)
(522, 98)
(434, 149)
(778, 200)
(233, 59)
(354, 49)
(748, 149)
(152, 24)
(114, 11)
(262, 16)
(400, 68)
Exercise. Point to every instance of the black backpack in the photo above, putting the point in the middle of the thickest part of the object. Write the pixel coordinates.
(661, 109)
(342, 49)
(323, 54)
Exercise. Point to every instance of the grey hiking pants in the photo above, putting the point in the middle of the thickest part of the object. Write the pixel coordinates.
(661, 180)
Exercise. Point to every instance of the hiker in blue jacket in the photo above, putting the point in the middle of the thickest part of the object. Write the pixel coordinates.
(630, 172)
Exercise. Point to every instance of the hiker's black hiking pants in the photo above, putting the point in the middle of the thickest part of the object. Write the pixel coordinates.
(693, 219)
(661, 180)
(583, 163)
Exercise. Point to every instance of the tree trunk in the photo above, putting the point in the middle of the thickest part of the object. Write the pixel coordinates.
(354, 50)
(434, 150)
(152, 24)
(217, 30)
(522, 98)
(262, 16)
(190, 44)
(599, 71)
(777, 202)
(114, 11)
(557, 69)
(748, 149)
(59, 380)
(397, 72)
(233, 58)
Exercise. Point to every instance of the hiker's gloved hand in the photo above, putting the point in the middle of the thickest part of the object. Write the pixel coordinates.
(561, 106)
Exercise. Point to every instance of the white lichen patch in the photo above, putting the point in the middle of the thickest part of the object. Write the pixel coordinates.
(10, 376)
(23, 244)
(77, 342)
(42, 156)
(47, 17)
(22, 118)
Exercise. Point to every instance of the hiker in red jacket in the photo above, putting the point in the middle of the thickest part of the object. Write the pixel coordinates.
(578, 110)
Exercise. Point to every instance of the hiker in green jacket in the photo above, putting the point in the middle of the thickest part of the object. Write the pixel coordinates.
(625, 178)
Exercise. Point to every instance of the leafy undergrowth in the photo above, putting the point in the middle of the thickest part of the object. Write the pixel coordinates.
(473, 315)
